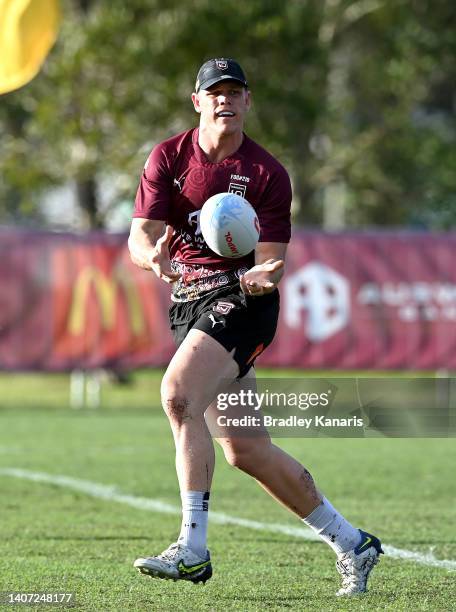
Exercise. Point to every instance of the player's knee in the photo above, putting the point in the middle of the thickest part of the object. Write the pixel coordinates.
(177, 410)
(175, 403)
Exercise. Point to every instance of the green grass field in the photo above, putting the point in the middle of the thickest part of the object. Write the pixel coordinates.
(56, 537)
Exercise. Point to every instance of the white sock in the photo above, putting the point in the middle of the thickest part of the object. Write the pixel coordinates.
(333, 528)
(195, 506)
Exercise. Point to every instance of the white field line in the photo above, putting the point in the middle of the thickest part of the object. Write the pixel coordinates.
(111, 493)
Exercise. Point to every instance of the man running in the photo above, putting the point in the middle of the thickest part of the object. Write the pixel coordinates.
(224, 314)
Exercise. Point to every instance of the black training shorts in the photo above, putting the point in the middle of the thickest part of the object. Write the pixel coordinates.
(246, 324)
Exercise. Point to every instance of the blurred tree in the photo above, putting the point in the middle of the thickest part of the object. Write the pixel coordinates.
(356, 97)
(93, 112)
(390, 125)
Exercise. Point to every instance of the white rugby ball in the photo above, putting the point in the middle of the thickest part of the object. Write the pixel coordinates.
(229, 225)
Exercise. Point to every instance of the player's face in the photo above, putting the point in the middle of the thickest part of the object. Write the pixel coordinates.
(223, 107)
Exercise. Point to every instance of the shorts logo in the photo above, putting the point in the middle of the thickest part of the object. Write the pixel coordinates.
(214, 321)
(223, 307)
(237, 189)
(221, 64)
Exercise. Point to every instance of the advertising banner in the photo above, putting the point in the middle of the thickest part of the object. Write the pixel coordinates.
(348, 301)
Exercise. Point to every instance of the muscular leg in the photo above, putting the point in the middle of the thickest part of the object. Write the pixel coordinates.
(277, 472)
(188, 387)
(282, 477)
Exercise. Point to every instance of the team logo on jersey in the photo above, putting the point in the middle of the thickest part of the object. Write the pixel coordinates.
(223, 307)
(221, 64)
(237, 189)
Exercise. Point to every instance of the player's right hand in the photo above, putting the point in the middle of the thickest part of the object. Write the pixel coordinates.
(262, 278)
(160, 261)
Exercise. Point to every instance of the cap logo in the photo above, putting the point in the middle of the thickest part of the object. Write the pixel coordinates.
(221, 64)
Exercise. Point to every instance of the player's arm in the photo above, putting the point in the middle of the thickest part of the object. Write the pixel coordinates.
(268, 269)
(148, 246)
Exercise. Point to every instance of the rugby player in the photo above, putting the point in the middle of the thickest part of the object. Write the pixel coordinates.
(224, 314)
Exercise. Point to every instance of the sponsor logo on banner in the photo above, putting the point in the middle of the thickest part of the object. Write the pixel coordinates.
(413, 301)
(106, 290)
(104, 310)
(318, 299)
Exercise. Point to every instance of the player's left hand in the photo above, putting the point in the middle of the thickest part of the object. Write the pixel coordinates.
(262, 278)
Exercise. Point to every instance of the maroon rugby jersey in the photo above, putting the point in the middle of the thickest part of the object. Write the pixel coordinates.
(177, 180)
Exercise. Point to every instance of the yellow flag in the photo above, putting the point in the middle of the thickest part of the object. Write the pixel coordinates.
(28, 29)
